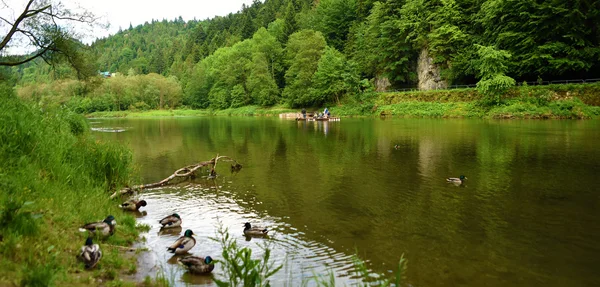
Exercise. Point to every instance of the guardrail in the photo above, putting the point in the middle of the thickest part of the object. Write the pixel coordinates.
(535, 83)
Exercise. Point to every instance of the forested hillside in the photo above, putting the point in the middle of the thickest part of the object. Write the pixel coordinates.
(304, 52)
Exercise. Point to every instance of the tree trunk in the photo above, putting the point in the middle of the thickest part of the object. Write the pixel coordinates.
(182, 173)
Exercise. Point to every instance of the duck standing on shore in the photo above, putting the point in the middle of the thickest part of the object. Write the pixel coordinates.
(90, 254)
(105, 227)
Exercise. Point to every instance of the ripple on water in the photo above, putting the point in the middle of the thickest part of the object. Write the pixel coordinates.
(201, 210)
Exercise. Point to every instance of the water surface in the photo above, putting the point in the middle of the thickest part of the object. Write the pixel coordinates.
(527, 215)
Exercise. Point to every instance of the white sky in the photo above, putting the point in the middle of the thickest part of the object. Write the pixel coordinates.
(122, 12)
(119, 13)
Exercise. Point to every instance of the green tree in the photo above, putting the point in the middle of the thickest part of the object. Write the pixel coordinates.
(303, 51)
(435, 27)
(551, 39)
(37, 25)
(492, 71)
(379, 48)
(260, 83)
(334, 18)
(335, 77)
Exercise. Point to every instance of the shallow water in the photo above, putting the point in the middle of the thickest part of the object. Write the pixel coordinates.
(526, 216)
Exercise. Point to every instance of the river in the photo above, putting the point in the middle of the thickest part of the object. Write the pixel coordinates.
(527, 215)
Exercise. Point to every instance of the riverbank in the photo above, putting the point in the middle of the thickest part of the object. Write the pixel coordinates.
(54, 178)
(576, 101)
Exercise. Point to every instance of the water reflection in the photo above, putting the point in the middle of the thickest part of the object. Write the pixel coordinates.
(526, 216)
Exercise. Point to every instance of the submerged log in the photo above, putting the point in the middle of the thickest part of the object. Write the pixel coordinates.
(184, 172)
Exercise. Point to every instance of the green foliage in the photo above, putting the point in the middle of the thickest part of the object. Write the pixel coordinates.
(333, 18)
(335, 78)
(239, 265)
(379, 48)
(111, 94)
(53, 177)
(303, 51)
(492, 66)
(547, 38)
(208, 58)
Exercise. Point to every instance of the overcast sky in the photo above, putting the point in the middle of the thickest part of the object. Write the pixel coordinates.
(122, 12)
(119, 13)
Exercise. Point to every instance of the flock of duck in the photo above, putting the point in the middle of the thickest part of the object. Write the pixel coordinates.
(91, 254)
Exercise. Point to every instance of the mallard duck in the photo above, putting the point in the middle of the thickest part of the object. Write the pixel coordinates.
(90, 254)
(183, 244)
(254, 231)
(105, 228)
(171, 221)
(455, 180)
(133, 205)
(197, 265)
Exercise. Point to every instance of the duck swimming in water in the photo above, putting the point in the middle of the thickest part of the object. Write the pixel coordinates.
(171, 221)
(254, 231)
(133, 205)
(455, 180)
(183, 244)
(197, 265)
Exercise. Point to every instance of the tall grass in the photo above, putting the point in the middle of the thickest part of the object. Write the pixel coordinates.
(239, 266)
(54, 177)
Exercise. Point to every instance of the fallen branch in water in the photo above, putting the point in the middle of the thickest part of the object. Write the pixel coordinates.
(183, 172)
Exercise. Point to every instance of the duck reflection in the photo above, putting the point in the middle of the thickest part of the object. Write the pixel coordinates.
(173, 259)
(197, 279)
(170, 231)
(139, 214)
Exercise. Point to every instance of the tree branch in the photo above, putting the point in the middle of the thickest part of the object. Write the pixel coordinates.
(9, 23)
(183, 172)
(10, 64)
(15, 26)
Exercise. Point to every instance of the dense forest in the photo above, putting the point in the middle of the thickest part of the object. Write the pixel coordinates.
(309, 53)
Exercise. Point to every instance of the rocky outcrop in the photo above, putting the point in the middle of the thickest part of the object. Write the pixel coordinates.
(381, 83)
(429, 73)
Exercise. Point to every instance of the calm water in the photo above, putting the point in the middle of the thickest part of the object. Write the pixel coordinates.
(528, 215)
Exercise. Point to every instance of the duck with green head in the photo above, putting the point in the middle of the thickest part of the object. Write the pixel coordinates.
(133, 204)
(197, 265)
(456, 180)
(170, 221)
(90, 254)
(183, 243)
(249, 230)
(104, 228)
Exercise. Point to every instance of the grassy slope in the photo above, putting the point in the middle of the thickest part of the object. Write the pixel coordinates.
(54, 178)
(555, 101)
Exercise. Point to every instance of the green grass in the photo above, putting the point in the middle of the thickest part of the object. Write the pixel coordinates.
(54, 177)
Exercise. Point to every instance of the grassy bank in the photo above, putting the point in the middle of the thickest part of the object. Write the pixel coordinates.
(575, 101)
(54, 177)
(242, 111)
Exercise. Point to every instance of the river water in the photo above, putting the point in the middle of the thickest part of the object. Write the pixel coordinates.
(527, 215)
